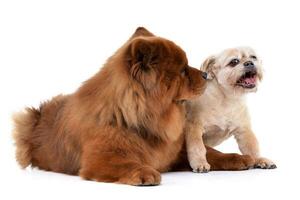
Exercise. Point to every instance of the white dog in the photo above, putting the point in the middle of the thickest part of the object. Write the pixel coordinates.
(221, 111)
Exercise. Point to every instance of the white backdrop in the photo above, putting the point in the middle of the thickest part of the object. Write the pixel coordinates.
(50, 47)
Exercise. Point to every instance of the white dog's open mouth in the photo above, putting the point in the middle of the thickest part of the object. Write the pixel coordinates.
(248, 80)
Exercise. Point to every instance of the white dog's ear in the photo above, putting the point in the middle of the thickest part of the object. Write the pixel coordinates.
(207, 66)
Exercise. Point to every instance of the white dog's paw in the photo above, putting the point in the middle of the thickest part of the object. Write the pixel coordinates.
(201, 166)
(264, 163)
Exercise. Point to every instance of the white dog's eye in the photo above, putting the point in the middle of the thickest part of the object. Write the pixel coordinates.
(234, 62)
(253, 57)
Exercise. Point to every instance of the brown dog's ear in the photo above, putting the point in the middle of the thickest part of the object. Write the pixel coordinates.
(144, 53)
(141, 31)
(207, 66)
(143, 56)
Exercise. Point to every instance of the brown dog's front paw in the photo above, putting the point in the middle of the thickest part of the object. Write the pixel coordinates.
(264, 163)
(145, 176)
(240, 162)
(230, 161)
(248, 161)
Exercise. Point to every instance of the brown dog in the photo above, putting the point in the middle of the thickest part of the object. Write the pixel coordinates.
(123, 125)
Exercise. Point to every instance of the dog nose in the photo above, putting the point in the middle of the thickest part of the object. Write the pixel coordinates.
(249, 64)
(204, 75)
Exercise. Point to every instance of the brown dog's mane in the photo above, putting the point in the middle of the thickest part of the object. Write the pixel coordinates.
(102, 98)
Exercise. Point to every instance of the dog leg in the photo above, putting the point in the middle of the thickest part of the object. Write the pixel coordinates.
(218, 161)
(228, 161)
(195, 148)
(248, 145)
(117, 166)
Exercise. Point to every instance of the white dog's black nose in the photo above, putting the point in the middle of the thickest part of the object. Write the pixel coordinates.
(249, 64)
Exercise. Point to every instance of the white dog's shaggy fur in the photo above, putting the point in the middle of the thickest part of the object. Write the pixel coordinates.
(221, 111)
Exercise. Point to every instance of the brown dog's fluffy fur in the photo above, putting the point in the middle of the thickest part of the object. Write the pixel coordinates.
(125, 124)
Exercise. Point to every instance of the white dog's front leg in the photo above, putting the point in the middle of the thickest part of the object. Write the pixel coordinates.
(248, 145)
(196, 149)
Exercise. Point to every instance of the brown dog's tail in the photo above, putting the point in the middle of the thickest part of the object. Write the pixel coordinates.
(24, 125)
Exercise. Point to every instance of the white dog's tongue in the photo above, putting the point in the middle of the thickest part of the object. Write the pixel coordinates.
(249, 81)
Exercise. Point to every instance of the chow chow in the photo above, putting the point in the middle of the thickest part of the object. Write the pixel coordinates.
(123, 125)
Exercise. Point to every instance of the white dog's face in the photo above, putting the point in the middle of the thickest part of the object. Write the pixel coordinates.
(236, 70)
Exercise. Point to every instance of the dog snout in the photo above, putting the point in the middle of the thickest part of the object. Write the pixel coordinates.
(249, 64)
(204, 75)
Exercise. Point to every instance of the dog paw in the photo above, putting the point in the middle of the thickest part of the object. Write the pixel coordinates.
(236, 162)
(201, 167)
(246, 162)
(264, 163)
(145, 176)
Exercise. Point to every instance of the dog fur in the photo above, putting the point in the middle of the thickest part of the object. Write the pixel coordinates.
(221, 112)
(123, 125)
